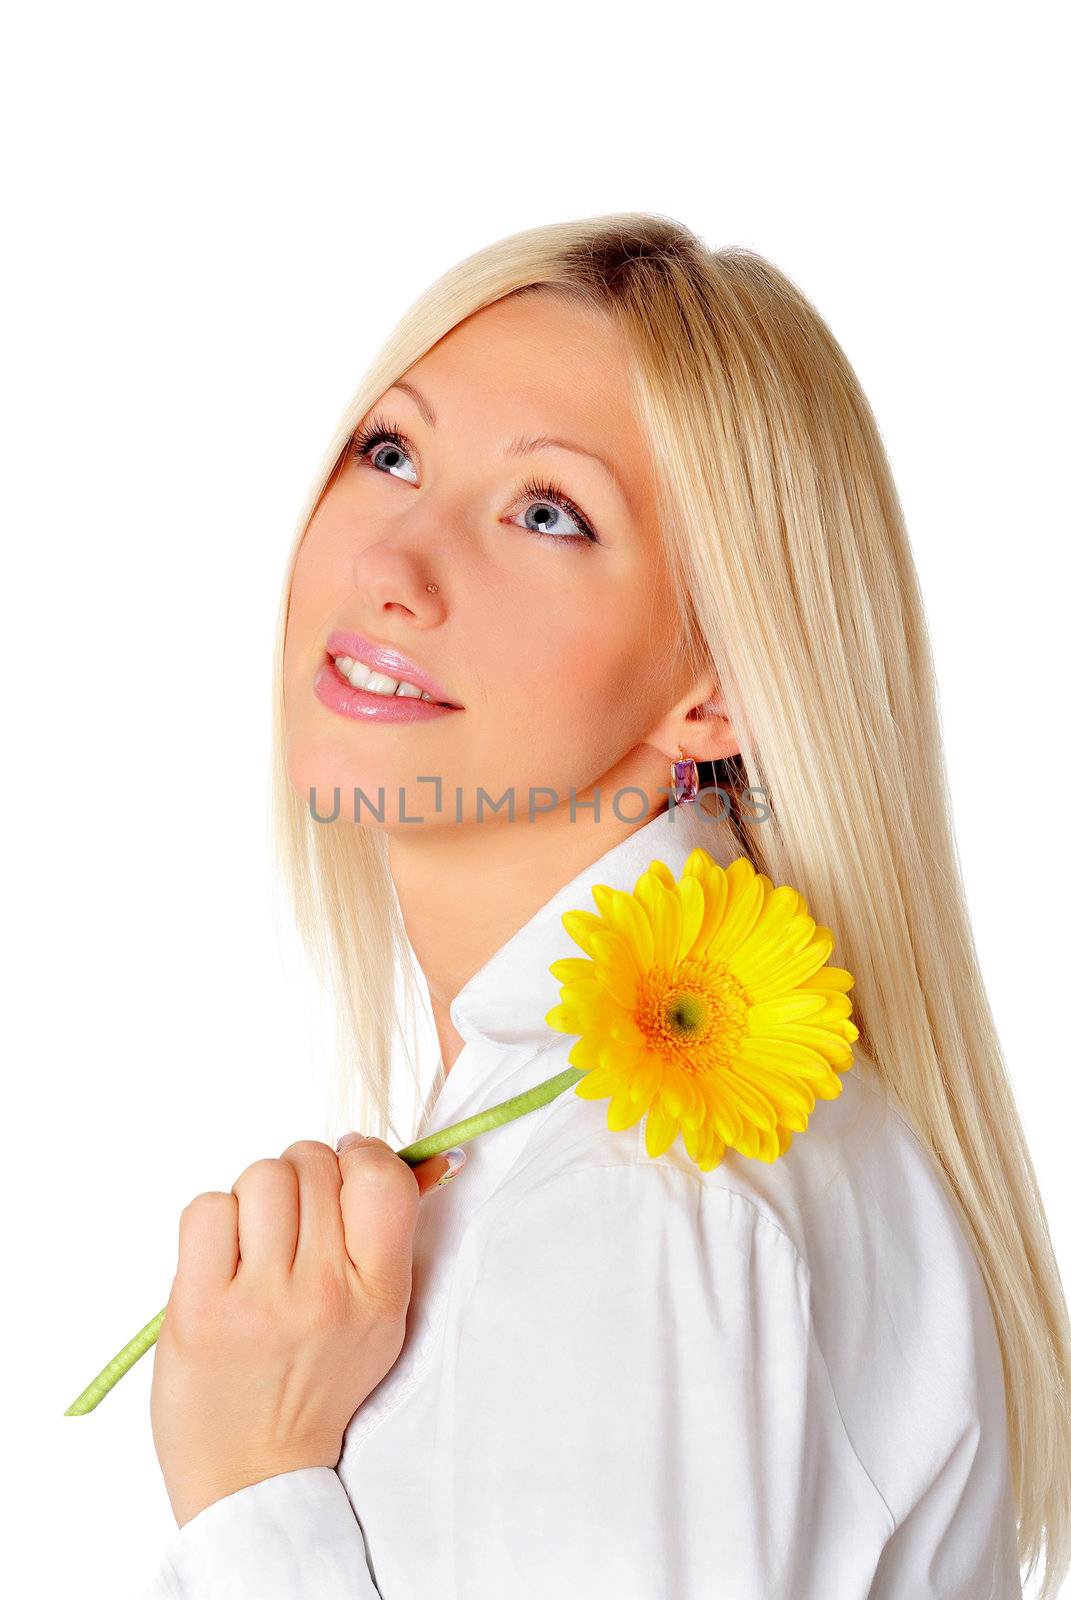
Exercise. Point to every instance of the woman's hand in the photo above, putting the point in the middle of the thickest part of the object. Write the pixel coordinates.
(287, 1308)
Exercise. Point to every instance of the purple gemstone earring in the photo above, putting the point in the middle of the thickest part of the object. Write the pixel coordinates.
(685, 779)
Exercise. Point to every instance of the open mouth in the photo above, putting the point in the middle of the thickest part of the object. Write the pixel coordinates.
(359, 676)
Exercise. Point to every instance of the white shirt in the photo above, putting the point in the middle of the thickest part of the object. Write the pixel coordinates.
(628, 1378)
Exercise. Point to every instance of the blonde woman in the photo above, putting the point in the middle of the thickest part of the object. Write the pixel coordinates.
(609, 500)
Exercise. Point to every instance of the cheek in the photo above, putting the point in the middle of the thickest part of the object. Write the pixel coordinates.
(315, 585)
(578, 667)
(323, 563)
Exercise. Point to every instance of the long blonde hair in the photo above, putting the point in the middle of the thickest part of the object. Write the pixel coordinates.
(787, 545)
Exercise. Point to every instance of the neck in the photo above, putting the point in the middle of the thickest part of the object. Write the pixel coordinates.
(464, 890)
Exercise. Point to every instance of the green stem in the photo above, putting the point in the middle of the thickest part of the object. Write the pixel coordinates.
(107, 1379)
(432, 1145)
(435, 1143)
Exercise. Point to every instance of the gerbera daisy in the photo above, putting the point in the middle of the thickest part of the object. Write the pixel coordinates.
(707, 1005)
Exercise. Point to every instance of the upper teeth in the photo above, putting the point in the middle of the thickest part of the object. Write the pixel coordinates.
(363, 677)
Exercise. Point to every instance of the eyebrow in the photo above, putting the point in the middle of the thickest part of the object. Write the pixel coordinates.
(524, 444)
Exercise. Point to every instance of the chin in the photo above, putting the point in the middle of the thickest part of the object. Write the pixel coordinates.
(324, 766)
(318, 763)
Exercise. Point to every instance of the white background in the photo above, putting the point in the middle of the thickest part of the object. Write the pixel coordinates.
(215, 215)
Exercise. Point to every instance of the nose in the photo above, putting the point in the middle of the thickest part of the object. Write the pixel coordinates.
(393, 579)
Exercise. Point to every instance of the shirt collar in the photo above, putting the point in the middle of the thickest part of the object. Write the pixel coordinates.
(505, 1002)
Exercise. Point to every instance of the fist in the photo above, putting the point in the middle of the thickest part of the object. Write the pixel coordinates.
(287, 1308)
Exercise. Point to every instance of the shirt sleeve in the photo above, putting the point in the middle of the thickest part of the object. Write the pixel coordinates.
(642, 1407)
(289, 1537)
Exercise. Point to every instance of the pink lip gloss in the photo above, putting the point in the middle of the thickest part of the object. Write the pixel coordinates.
(338, 694)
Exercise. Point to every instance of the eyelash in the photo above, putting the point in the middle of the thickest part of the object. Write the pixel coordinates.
(379, 431)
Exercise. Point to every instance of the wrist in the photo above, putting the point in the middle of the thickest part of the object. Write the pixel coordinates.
(190, 1500)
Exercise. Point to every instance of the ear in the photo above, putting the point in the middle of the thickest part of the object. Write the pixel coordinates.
(701, 724)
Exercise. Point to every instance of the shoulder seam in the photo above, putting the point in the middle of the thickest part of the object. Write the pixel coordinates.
(731, 1195)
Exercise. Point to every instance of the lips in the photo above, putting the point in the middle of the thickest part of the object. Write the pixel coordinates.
(338, 694)
(383, 658)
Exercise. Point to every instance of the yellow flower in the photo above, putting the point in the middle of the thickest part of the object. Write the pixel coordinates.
(706, 1004)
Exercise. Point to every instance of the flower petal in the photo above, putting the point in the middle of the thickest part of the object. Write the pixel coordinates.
(796, 969)
(788, 1094)
(723, 1113)
(712, 879)
(755, 1105)
(675, 1096)
(584, 1054)
(646, 1079)
(580, 926)
(693, 909)
(746, 895)
(573, 969)
(623, 1111)
(562, 1018)
(776, 913)
(837, 978)
(767, 1016)
(836, 1050)
(665, 917)
(764, 957)
(661, 1129)
(598, 1083)
(628, 918)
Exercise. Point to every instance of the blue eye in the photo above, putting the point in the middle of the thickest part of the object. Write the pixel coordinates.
(368, 442)
(386, 448)
(543, 495)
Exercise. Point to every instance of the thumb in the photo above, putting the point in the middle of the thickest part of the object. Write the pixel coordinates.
(379, 1201)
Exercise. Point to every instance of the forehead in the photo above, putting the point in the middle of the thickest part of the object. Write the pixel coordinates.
(538, 364)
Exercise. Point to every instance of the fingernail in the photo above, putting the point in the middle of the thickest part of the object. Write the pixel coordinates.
(455, 1161)
(347, 1142)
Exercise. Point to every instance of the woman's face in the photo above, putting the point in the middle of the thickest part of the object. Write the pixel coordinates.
(550, 630)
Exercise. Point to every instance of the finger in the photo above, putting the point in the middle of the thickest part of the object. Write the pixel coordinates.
(267, 1195)
(438, 1170)
(208, 1242)
(429, 1172)
(320, 1233)
(379, 1201)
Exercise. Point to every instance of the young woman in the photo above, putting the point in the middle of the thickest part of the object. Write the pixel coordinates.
(607, 499)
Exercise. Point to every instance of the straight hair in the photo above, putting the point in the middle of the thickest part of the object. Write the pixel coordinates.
(781, 524)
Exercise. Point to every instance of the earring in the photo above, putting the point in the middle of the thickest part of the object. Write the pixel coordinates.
(685, 779)
(432, 588)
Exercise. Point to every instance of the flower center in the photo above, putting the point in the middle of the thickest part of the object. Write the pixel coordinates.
(687, 1014)
(694, 1013)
